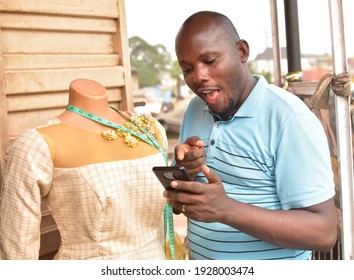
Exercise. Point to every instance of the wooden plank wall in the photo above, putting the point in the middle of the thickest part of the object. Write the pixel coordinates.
(44, 45)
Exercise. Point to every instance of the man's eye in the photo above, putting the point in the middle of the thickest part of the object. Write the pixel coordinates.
(211, 61)
(186, 70)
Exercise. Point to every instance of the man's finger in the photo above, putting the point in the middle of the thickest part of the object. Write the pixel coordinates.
(186, 186)
(195, 141)
(210, 175)
(180, 151)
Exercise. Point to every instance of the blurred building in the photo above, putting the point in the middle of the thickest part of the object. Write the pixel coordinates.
(314, 66)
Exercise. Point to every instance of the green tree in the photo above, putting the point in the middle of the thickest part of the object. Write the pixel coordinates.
(176, 73)
(150, 61)
(267, 75)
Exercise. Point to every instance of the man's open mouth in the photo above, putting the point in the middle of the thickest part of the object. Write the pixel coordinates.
(211, 93)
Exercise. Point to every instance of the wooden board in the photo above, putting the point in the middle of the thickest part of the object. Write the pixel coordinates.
(33, 81)
(49, 61)
(93, 8)
(44, 45)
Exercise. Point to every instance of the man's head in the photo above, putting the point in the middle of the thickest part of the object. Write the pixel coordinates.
(214, 61)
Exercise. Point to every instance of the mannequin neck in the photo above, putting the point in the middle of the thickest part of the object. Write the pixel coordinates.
(89, 96)
(92, 97)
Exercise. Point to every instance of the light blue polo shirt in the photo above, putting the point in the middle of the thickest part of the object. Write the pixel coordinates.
(273, 154)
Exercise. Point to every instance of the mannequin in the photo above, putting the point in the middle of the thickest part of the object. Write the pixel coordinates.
(103, 196)
(92, 97)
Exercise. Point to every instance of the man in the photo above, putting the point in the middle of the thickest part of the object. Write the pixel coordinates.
(263, 184)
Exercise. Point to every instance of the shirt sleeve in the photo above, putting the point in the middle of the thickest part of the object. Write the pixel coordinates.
(304, 175)
(27, 178)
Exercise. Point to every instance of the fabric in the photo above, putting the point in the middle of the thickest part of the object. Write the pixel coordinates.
(103, 195)
(340, 85)
(179, 247)
(273, 154)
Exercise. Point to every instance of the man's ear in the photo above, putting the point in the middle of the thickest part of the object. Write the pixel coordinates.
(243, 50)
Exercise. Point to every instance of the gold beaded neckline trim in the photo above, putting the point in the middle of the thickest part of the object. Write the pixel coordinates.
(137, 128)
(135, 123)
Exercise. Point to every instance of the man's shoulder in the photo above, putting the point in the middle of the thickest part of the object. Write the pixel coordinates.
(282, 98)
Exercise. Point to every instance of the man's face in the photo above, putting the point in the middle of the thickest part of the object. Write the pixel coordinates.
(211, 67)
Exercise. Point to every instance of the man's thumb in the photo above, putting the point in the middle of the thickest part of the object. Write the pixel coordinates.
(209, 174)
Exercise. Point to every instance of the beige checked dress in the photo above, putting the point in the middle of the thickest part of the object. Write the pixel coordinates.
(103, 195)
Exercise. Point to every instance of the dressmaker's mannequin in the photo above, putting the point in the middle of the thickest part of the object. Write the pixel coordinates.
(92, 97)
(102, 193)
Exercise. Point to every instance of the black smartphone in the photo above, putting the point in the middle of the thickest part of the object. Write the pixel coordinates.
(166, 174)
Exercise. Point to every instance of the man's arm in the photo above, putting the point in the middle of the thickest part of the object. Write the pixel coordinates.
(311, 228)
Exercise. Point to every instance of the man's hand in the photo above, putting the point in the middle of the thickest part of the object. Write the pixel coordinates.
(191, 155)
(198, 201)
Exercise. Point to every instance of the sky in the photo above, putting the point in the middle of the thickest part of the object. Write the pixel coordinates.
(157, 22)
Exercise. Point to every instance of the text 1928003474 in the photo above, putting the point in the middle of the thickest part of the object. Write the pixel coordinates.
(196, 271)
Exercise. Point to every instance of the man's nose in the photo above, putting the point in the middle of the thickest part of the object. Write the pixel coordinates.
(200, 74)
